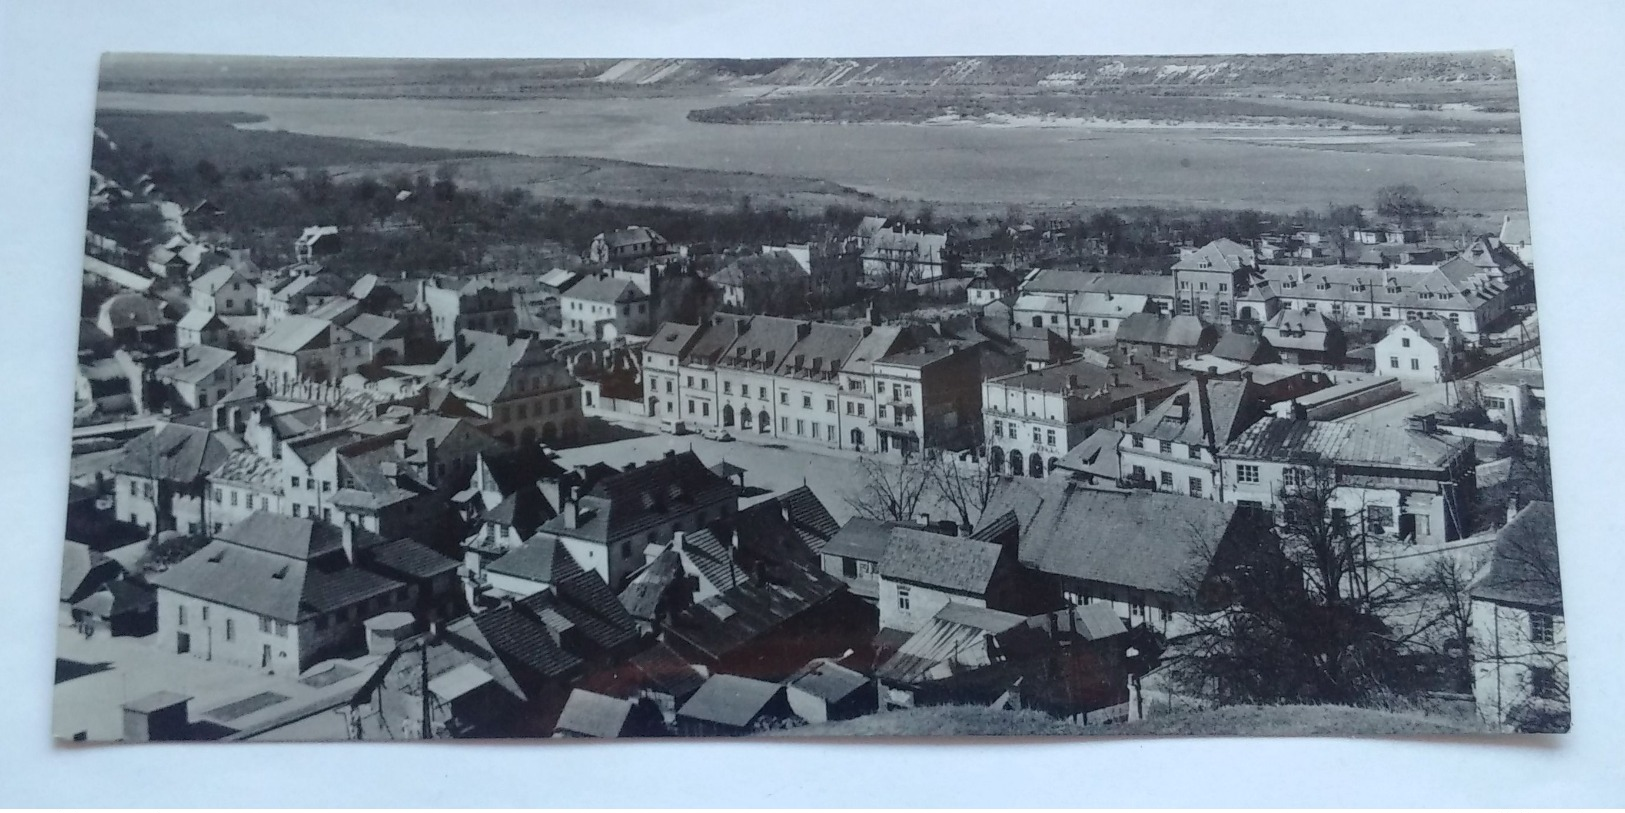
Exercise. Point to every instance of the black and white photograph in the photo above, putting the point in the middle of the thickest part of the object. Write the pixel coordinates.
(791, 398)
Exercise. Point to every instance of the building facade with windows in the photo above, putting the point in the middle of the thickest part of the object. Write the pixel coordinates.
(1032, 419)
(1175, 447)
(1403, 485)
(1519, 641)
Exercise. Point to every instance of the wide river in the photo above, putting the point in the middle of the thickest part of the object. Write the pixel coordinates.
(1278, 168)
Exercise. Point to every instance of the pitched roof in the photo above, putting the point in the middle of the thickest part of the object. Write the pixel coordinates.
(408, 559)
(175, 452)
(79, 563)
(750, 610)
(1351, 444)
(270, 584)
(630, 502)
(861, 538)
(494, 363)
(1222, 254)
(212, 281)
(1243, 347)
(1138, 539)
(828, 680)
(672, 338)
(605, 289)
(824, 349)
(668, 671)
(1524, 570)
(631, 235)
(956, 636)
(376, 328)
(1183, 330)
(1096, 455)
(951, 562)
(1119, 381)
(538, 559)
(730, 700)
(1205, 412)
(1300, 330)
(520, 637)
(299, 332)
(589, 714)
(193, 364)
(644, 591)
(199, 319)
(294, 537)
(1515, 229)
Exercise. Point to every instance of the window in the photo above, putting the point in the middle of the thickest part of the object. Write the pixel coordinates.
(761, 393)
(806, 401)
(691, 381)
(1166, 447)
(1224, 286)
(327, 485)
(902, 596)
(1540, 628)
(296, 482)
(217, 494)
(1543, 682)
(1379, 517)
(829, 404)
(1038, 435)
(705, 409)
(1166, 479)
(851, 408)
(784, 398)
(668, 386)
(1136, 441)
(1138, 473)
(1049, 437)
(1404, 342)
(1393, 361)
(727, 388)
(998, 429)
(1196, 486)
(1416, 364)
(296, 509)
(1137, 605)
(265, 625)
(860, 410)
(1246, 473)
(800, 427)
(784, 424)
(1193, 451)
(691, 406)
(231, 630)
(180, 616)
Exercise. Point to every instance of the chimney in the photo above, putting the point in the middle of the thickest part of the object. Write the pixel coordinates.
(1139, 408)
(1512, 507)
(1117, 380)
(924, 518)
(186, 355)
(803, 330)
(1072, 381)
(462, 347)
(347, 540)
(677, 538)
(429, 456)
(572, 514)
(1183, 402)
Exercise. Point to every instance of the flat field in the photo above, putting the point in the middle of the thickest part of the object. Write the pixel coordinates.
(1029, 162)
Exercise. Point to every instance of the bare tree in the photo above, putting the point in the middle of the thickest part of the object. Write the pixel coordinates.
(1301, 610)
(889, 493)
(967, 487)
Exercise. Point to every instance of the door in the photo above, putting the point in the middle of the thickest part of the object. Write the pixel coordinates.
(183, 643)
(265, 656)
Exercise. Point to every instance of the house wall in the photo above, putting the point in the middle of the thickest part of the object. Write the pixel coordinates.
(1505, 655)
(857, 418)
(809, 412)
(1134, 606)
(135, 500)
(206, 625)
(923, 603)
(1403, 353)
(1429, 510)
(697, 393)
(864, 577)
(1178, 464)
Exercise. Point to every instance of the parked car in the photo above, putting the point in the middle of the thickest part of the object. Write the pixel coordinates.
(674, 427)
(720, 435)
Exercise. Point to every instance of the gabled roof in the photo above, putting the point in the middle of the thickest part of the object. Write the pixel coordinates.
(823, 350)
(730, 700)
(175, 452)
(522, 638)
(211, 282)
(294, 537)
(493, 363)
(200, 320)
(409, 559)
(1183, 330)
(375, 328)
(1242, 347)
(1524, 570)
(745, 613)
(642, 498)
(955, 563)
(593, 715)
(195, 363)
(539, 559)
(828, 680)
(673, 338)
(955, 637)
(84, 570)
(299, 332)
(1515, 230)
(1300, 330)
(606, 290)
(644, 591)
(1205, 412)
(270, 584)
(861, 538)
(1139, 539)
(630, 236)
(1096, 455)
(1222, 254)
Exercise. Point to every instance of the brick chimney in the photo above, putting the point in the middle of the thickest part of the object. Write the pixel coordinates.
(347, 540)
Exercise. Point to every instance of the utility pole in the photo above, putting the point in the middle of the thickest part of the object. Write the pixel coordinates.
(423, 663)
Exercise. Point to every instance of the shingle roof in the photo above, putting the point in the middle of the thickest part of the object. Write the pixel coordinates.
(730, 700)
(269, 584)
(936, 560)
(668, 671)
(643, 593)
(741, 615)
(861, 538)
(175, 452)
(1524, 569)
(1284, 439)
(1138, 539)
(294, 537)
(522, 638)
(406, 558)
